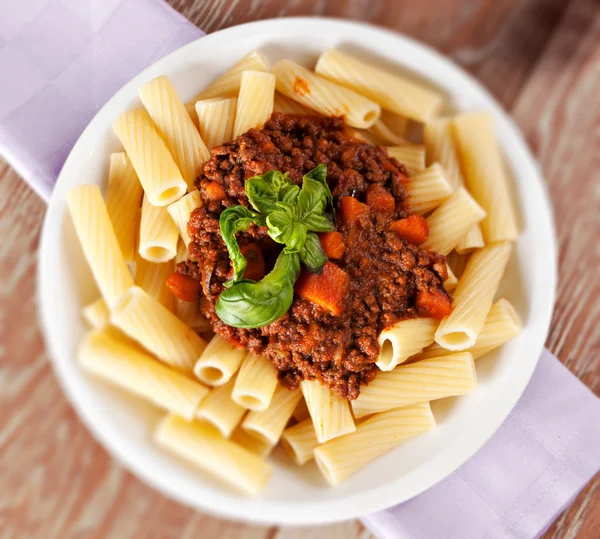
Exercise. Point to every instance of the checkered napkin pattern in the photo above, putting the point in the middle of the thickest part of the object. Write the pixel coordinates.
(61, 60)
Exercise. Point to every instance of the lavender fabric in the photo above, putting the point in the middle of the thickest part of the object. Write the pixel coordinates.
(61, 60)
(522, 478)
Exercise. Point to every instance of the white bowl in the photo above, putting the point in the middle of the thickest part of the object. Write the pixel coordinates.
(299, 495)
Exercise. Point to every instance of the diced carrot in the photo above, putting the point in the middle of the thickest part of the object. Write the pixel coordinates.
(351, 210)
(433, 303)
(333, 244)
(414, 229)
(255, 269)
(213, 191)
(379, 199)
(327, 289)
(184, 287)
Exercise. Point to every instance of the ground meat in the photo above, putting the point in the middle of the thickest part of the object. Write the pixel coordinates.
(386, 272)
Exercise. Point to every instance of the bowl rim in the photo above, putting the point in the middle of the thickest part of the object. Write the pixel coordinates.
(296, 513)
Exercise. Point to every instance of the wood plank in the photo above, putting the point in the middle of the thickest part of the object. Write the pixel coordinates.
(74, 488)
(559, 113)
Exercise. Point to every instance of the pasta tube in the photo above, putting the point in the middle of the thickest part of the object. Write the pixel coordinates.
(300, 441)
(324, 96)
(123, 201)
(340, 458)
(404, 339)
(253, 444)
(391, 91)
(502, 323)
(422, 381)
(153, 163)
(289, 106)
(135, 371)
(330, 414)
(268, 424)
(189, 313)
(96, 314)
(99, 243)
(255, 383)
(428, 189)
(412, 156)
(219, 410)
(176, 127)
(451, 221)
(202, 445)
(228, 84)
(216, 118)
(219, 362)
(485, 175)
(181, 211)
(157, 329)
(152, 277)
(255, 101)
(473, 297)
(158, 234)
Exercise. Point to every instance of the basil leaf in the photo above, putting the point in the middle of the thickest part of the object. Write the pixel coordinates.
(237, 219)
(252, 305)
(312, 198)
(319, 174)
(280, 224)
(317, 223)
(265, 191)
(312, 254)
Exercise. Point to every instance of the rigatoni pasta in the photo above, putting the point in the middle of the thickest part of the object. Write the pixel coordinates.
(412, 156)
(219, 362)
(228, 84)
(157, 329)
(473, 297)
(216, 118)
(485, 175)
(219, 410)
(451, 221)
(158, 234)
(203, 446)
(152, 277)
(404, 339)
(123, 202)
(300, 441)
(255, 383)
(422, 381)
(255, 101)
(268, 424)
(391, 91)
(96, 314)
(113, 360)
(330, 414)
(153, 163)
(502, 323)
(99, 243)
(428, 189)
(289, 106)
(181, 210)
(175, 126)
(324, 96)
(341, 457)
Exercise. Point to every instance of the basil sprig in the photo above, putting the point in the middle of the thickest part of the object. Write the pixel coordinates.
(293, 216)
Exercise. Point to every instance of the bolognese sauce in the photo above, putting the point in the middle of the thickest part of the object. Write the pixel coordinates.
(376, 275)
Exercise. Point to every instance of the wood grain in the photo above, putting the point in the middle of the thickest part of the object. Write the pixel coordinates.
(540, 58)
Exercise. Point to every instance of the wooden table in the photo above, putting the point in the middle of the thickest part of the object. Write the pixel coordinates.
(540, 58)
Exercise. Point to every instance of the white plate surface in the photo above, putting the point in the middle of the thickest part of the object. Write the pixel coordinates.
(299, 495)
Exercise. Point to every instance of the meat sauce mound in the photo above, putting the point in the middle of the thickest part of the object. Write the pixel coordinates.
(386, 273)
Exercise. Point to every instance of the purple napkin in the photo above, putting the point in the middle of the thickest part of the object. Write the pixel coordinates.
(522, 478)
(61, 60)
